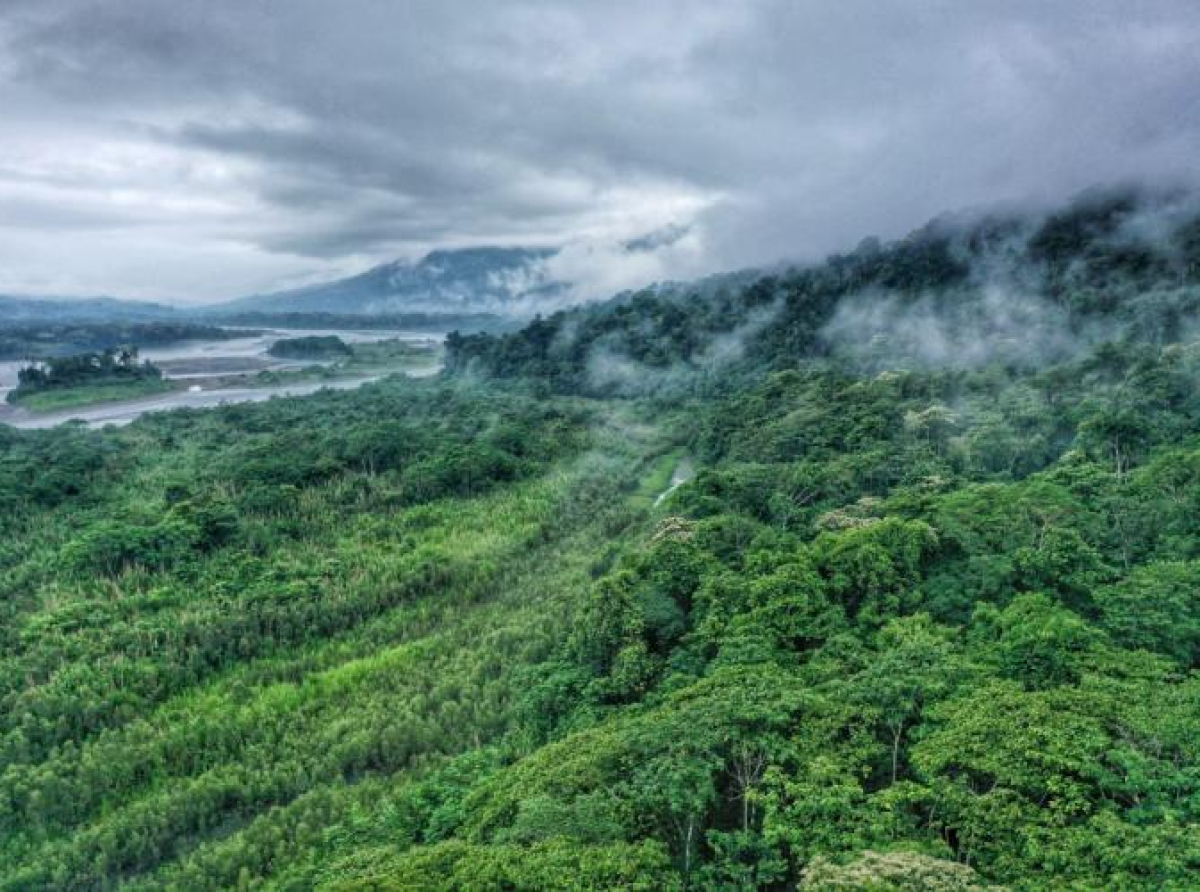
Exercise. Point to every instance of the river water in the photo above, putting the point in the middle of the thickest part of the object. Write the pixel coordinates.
(203, 359)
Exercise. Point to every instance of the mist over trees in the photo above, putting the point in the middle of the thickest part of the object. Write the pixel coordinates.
(963, 291)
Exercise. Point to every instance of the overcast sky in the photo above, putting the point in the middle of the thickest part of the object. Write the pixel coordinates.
(198, 149)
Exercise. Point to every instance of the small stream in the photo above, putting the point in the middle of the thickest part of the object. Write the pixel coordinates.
(684, 471)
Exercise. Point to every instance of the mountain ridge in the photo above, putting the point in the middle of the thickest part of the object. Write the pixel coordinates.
(484, 279)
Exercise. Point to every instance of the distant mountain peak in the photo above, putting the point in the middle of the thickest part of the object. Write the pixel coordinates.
(483, 279)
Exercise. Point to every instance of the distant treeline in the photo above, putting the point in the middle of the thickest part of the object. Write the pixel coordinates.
(31, 340)
(1014, 290)
(434, 322)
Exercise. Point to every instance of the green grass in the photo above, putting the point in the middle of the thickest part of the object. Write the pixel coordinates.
(393, 353)
(89, 394)
(379, 357)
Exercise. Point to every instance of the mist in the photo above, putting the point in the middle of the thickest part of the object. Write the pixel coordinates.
(1012, 308)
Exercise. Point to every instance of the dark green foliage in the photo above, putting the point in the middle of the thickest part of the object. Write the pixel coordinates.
(311, 347)
(1020, 290)
(958, 638)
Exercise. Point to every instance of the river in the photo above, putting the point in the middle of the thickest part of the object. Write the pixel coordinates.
(203, 359)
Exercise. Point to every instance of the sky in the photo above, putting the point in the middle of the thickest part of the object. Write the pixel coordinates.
(194, 150)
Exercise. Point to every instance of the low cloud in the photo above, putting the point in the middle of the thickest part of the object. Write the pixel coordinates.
(884, 331)
(200, 150)
(597, 269)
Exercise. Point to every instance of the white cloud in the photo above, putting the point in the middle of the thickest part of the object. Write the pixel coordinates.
(193, 151)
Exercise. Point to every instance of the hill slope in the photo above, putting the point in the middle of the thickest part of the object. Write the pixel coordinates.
(964, 291)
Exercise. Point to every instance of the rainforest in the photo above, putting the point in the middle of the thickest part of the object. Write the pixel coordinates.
(875, 573)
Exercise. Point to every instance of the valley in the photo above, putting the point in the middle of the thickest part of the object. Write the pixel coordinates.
(599, 447)
(595, 604)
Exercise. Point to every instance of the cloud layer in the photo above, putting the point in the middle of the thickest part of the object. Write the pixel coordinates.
(197, 150)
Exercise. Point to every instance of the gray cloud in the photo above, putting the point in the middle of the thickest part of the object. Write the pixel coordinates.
(192, 150)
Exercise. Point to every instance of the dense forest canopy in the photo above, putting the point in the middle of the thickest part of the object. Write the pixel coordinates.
(924, 616)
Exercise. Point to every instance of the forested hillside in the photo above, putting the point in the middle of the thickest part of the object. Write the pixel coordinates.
(926, 614)
(966, 290)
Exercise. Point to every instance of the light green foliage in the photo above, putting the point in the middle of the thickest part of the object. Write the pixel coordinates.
(892, 872)
(211, 631)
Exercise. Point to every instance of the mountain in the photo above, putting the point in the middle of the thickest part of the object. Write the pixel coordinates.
(507, 281)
